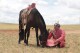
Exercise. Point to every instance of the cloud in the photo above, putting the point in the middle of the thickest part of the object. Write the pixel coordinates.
(41, 2)
(70, 3)
(63, 12)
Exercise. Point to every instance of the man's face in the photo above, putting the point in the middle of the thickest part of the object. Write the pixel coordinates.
(56, 27)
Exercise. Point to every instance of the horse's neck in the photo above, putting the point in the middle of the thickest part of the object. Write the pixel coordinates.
(43, 30)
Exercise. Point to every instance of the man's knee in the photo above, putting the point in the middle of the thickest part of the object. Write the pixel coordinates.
(61, 44)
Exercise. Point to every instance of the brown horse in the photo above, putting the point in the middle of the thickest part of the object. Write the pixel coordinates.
(35, 20)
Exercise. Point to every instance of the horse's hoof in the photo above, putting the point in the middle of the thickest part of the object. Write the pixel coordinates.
(26, 43)
(38, 45)
(43, 46)
(19, 42)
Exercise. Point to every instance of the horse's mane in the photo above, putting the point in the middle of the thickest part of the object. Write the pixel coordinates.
(36, 12)
(41, 17)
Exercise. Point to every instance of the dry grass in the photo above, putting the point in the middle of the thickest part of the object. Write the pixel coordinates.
(9, 41)
(8, 26)
(66, 27)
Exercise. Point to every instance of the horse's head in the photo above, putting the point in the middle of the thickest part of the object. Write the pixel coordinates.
(43, 38)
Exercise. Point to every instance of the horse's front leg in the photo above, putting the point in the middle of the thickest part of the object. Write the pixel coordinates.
(36, 29)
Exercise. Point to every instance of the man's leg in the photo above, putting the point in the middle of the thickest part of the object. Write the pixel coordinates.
(61, 44)
(58, 45)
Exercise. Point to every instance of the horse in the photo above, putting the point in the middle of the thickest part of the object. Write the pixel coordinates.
(35, 20)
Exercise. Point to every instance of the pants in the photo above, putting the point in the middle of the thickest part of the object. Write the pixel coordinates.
(61, 44)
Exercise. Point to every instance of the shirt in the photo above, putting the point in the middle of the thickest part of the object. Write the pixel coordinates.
(59, 35)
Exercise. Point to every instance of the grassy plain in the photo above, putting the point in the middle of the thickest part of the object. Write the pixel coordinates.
(9, 40)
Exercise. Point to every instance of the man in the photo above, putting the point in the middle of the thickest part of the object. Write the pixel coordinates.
(58, 37)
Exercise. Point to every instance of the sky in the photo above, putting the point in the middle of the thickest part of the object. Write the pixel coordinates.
(62, 11)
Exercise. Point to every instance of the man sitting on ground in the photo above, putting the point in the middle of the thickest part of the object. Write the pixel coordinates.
(56, 37)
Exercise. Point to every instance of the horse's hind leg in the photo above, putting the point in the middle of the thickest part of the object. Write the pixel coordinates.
(28, 34)
(25, 41)
(36, 29)
(21, 32)
(27, 30)
(21, 35)
(19, 39)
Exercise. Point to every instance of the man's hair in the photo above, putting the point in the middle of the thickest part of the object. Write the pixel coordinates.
(57, 24)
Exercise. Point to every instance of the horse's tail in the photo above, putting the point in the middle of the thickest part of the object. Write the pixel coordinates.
(21, 34)
(21, 30)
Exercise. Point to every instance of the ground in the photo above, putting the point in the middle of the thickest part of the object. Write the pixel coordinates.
(9, 40)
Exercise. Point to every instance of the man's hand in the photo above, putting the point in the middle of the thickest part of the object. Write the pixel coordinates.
(55, 42)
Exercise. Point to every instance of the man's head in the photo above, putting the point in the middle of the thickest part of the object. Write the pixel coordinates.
(33, 5)
(56, 26)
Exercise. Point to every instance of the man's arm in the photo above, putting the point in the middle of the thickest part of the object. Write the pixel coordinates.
(62, 37)
(50, 35)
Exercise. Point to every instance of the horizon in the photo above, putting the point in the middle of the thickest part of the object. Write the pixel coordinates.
(46, 24)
